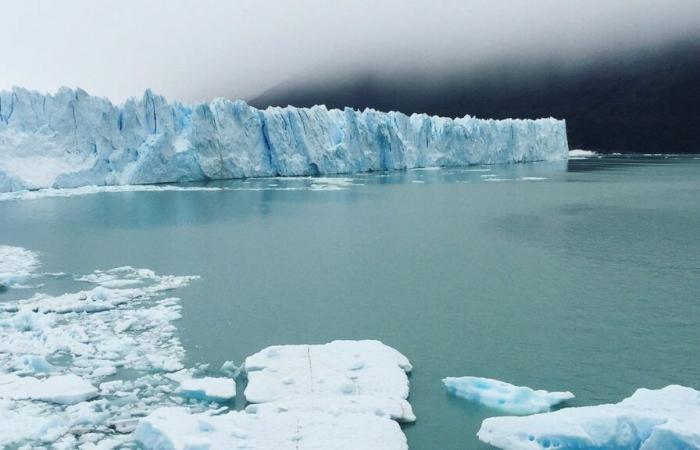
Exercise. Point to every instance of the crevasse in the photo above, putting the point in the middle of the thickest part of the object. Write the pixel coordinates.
(72, 139)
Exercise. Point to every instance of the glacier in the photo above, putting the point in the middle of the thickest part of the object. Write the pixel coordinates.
(667, 418)
(504, 396)
(71, 139)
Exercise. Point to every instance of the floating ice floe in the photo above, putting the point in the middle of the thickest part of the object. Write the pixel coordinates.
(16, 265)
(62, 389)
(504, 396)
(581, 154)
(661, 419)
(364, 370)
(209, 388)
(77, 368)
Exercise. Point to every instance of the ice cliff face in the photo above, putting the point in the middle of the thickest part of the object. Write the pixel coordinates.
(72, 139)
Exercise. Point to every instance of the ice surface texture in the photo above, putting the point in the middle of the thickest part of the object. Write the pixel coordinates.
(504, 396)
(340, 395)
(72, 139)
(16, 265)
(667, 418)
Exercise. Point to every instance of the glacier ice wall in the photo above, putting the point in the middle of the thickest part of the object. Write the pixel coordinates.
(72, 139)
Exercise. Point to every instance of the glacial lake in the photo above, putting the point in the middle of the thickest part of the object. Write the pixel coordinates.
(580, 276)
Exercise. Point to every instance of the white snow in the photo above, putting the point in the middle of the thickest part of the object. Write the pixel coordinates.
(209, 388)
(16, 265)
(504, 396)
(178, 429)
(667, 418)
(71, 139)
(61, 389)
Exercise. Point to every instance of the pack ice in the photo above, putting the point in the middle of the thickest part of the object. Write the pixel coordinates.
(341, 395)
(667, 418)
(504, 396)
(78, 369)
(71, 139)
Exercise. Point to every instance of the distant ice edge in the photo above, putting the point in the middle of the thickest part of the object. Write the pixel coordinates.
(71, 139)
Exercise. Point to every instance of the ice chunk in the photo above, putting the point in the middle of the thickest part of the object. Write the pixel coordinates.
(504, 396)
(581, 154)
(61, 389)
(16, 265)
(209, 388)
(178, 429)
(71, 139)
(357, 376)
(666, 418)
(338, 368)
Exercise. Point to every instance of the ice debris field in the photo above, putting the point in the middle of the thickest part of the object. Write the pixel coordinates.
(103, 368)
(71, 139)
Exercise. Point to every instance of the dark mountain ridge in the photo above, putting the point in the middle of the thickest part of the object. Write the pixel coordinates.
(646, 101)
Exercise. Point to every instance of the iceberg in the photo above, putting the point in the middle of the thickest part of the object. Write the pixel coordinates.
(667, 418)
(209, 388)
(71, 139)
(504, 396)
(16, 265)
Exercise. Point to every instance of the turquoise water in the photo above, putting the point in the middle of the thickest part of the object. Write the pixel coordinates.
(587, 280)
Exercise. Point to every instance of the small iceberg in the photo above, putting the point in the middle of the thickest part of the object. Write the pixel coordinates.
(16, 265)
(504, 396)
(581, 154)
(209, 388)
(667, 418)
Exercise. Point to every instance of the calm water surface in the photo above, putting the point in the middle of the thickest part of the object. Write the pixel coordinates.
(587, 280)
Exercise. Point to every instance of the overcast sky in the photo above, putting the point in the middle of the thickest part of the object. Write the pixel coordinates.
(199, 49)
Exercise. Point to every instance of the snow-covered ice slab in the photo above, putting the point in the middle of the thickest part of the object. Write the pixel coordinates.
(337, 368)
(61, 389)
(504, 396)
(372, 373)
(663, 419)
(71, 139)
(178, 429)
(209, 388)
(16, 265)
(392, 408)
